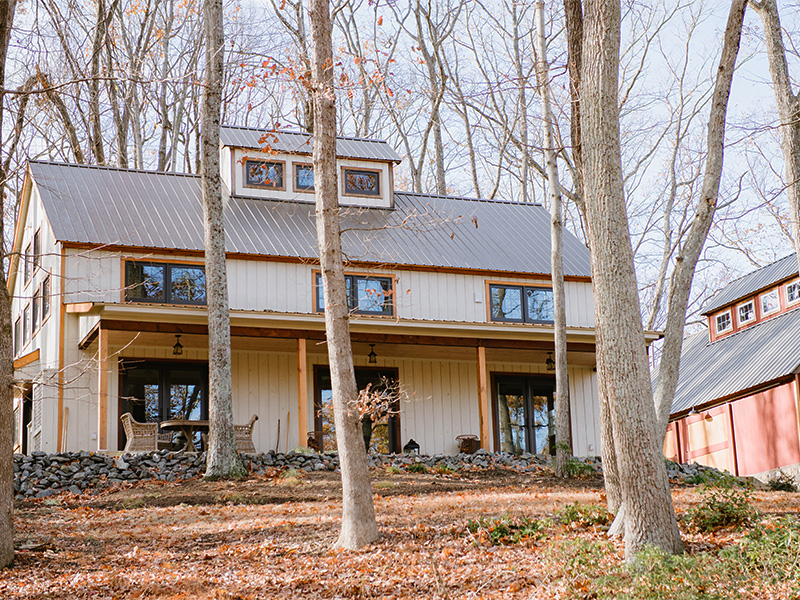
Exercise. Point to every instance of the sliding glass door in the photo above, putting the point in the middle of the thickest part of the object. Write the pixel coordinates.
(524, 414)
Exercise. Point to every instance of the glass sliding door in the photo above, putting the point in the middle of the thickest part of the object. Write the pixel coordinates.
(524, 414)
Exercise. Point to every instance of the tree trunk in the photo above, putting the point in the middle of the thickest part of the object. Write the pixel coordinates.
(94, 85)
(788, 110)
(222, 460)
(563, 449)
(573, 15)
(686, 260)
(358, 512)
(649, 513)
(7, 424)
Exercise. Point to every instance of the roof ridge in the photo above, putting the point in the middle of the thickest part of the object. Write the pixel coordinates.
(110, 168)
(305, 133)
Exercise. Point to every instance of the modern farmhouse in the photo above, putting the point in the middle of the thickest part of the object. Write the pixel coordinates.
(737, 405)
(451, 305)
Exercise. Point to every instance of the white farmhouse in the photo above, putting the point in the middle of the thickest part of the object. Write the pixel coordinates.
(451, 304)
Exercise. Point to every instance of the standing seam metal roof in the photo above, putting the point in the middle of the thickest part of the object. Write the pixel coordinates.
(752, 282)
(758, 354)
(297, 142)
(102, 205)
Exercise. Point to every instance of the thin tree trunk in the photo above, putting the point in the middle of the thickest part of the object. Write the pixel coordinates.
(788, 109)
(358, 512)
(563, 450)
(96, 134)
(222, 460)
(522, 104)
(573, 14)
(686, 260)
(649, 513)
(7, 424)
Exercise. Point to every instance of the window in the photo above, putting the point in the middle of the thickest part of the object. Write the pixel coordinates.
(793, 292)
(28, 263)
(366, 295)
(770, 302)
(723, 321)
(17, 335)
(26, 324)
(168, 283)
(36, 309)
(263, 174)
(362, 182)
(746, 312)
(45, 298)
(303, 177)
(521, 304)
(37, 250)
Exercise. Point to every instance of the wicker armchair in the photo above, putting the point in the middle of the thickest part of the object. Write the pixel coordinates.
(244, 436)
(143, 437)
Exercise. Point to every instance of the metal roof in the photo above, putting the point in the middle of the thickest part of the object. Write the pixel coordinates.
(752, 282)
(102, 205)
(298, 142)
(758, 354)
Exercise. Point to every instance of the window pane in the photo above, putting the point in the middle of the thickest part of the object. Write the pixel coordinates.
(37, 249)
(362, 182)
(188, 284)
(793, 292)
(723, 321)
(543, 423)
(372, 295)
(304, 177)
(320, 292)
(506, 303)
(36, 308)
(26, 324)
(144, 281)
(263, 173)
(511, 418)
(45, 298)
(770, 302)
(539, 303)
(17, 335)
(746, 312)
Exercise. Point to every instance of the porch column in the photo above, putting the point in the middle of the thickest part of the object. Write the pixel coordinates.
(483, 398)
(797, 401)
(302, 392)
(102, 389)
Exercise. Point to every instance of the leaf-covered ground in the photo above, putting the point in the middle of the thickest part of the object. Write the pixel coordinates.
(443, 536)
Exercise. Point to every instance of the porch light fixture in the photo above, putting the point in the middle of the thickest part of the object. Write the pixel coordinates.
(177, 349)
(373, 358)
(551, 364)
(693, 411)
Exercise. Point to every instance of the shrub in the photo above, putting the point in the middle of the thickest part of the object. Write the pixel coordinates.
(725, 502)
(781, 482)
(505, 530)
(577, 469)
(417, 468)
(584, 515)
(443, 469)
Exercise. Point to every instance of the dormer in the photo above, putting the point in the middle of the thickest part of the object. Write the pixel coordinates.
(277, 166)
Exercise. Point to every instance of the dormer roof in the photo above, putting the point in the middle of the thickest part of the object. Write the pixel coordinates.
(297, 142)
(751, 283)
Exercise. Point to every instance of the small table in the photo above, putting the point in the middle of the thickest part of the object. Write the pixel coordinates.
(188, 428)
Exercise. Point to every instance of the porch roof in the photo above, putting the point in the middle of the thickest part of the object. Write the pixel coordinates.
(145, 209)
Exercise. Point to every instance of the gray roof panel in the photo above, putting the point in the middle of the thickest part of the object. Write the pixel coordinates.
(102, 205)
(748, 284)
(758, 354)
(297, 142)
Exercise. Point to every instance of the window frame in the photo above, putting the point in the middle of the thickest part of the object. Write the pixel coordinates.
(46, 303)
(168, 267)
(262, 186)
(18, 335)
(729, 328)
(796, 285)
(295, 185)
(524, 304)
(752, 319)
(28, 267)
(761, 298)
(37, 251)
(352, 294)
(27, 334)
(36, 311)
(361, 193)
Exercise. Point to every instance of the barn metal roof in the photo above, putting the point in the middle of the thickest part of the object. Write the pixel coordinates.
(752, 282)
(297, 142)
(103, 205)
(758, 354)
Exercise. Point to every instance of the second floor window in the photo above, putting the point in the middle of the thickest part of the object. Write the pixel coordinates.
(746, 312)
(793, 292)
(366, 295)
(165, 282)
(264, 174)
(521, 304)
(723, 321)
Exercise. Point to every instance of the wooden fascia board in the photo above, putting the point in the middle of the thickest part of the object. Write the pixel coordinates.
(13, 266)
(315, 261)
(25, 360)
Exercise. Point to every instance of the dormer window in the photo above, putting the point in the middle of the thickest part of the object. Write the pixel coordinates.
(723, 322)
(303, 177)
(793, 292)
(746, 312)
(266, 174)
(770, 303)
(361, 182)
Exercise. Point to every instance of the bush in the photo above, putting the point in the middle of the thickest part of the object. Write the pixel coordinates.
(577, 469)
(584, 515)
(726, 502)
(782, 482)
(501, 531)
(417, 468)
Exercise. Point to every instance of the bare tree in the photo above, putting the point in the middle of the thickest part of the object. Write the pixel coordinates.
(649, 513)
(358, 512)
(223, 461)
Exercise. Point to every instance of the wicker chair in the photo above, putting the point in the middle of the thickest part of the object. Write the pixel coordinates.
(144, 437)
(244, 436)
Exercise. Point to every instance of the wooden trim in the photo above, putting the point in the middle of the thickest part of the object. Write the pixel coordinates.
(302, 391)
(734, 454)
(78, 307)
(295, 189)
(102, 391)
(315, 261)
(61, 326)
(269, 188)
(383, 275)
(19, 232)
(26, 359)
(89, 337)
(708, 449)
(483, 398)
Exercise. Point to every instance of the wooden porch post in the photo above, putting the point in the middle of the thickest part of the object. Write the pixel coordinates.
(483, 398)
(302, 392)
(102, 389)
